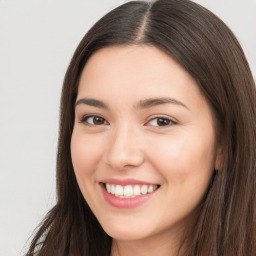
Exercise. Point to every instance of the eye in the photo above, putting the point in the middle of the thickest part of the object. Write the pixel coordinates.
(94, 120)
(160, 121)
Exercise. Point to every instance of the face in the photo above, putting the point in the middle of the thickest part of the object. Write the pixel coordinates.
(144, 143)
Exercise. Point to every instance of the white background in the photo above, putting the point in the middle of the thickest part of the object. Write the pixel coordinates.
(37, 40)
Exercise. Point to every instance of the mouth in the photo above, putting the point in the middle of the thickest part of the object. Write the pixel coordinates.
(129, 191)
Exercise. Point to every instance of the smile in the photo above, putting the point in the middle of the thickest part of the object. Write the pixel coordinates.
(129, 191)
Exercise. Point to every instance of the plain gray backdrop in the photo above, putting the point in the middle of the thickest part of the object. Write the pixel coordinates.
(37, 40)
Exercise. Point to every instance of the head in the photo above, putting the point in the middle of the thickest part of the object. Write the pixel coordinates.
(200, 45)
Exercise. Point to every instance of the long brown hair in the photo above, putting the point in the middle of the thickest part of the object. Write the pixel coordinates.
(211, 54)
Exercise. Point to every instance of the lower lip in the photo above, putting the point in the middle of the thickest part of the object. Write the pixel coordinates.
(125, 202)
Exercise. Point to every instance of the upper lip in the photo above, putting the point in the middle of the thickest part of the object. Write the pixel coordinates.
(126, 182)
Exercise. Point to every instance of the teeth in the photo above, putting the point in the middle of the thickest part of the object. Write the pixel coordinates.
(150, 188)
(108, 187)
(129, 191)
(112, 189)
(119, 191)
(136, 190)
(144, 189)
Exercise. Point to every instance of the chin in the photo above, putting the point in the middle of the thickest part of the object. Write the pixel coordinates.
(125, 235)
(125, 231)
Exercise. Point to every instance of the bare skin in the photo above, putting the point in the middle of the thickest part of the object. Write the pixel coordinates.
(140, 115)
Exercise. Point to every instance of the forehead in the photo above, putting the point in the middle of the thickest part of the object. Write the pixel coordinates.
(132, 68)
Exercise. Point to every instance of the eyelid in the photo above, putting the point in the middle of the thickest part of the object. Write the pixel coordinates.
(171, 120)
(86, 117)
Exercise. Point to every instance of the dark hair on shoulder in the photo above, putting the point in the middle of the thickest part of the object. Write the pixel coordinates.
(206, 48)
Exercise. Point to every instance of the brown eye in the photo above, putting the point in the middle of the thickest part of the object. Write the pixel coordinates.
(94, 120)
(97, 120)
(163, 122)
(160, 121)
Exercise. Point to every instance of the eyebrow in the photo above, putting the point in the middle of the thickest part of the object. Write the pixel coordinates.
(92, 102)
(151, 102)
(142, 104)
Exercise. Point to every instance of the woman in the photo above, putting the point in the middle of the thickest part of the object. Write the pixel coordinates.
(157, 139)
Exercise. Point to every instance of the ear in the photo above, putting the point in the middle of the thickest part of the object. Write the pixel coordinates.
(219, 160)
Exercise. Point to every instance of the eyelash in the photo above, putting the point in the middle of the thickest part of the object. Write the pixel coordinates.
(167, 121)
(86, 118)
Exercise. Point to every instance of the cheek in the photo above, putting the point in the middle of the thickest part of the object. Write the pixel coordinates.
(186, 167)
(185, 158)
(85, 153)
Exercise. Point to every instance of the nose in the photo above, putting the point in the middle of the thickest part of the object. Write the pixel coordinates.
(124, 148)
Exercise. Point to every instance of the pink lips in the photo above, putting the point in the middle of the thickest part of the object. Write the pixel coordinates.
(125, 202)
